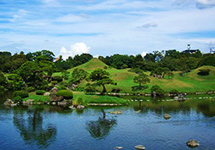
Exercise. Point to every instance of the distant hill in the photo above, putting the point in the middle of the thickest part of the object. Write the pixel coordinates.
(190, 82)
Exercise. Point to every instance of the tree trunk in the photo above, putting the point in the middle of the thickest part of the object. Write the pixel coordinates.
(104, 89)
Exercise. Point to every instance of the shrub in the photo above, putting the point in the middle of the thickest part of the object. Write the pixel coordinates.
(67, 94)
(80, 101)
(159, 91)
(204, 72)
(1, 88)
(22, 94)
(17, 99)
(30, 89)
(174, 92)
(40, 92)
(12, 76)
(57, 78)
(53, 83)
(105, 67)
(61, 87)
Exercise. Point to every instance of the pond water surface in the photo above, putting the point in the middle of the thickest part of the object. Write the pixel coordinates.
(58, 128)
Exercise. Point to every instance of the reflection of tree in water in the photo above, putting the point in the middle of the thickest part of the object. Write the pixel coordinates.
(32, 131)
(100, 128)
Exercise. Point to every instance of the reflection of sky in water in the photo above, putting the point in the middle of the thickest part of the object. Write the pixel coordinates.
(59, 128)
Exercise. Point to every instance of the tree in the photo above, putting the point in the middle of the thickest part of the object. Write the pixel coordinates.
(100, 77)
(78, 75)
(141, 79)
(32, 74)
(3, 80)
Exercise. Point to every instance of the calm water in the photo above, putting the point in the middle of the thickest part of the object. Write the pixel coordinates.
(45, 127)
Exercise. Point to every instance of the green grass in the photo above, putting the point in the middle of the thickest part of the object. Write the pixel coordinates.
(37, 98)
(191, 82)
(99, 99)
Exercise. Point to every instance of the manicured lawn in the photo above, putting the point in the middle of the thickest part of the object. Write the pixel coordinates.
(37, 98)
(191, 82)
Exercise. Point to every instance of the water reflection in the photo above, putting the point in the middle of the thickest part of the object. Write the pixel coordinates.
(30, 125)
(100, 128)
(201, 106)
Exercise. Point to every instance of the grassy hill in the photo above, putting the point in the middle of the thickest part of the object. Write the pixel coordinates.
(190, 82)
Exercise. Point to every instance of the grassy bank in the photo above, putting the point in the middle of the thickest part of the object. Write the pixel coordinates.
(190, 82)
(85, 98)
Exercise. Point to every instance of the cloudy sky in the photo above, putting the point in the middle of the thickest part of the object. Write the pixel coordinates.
(106, 27)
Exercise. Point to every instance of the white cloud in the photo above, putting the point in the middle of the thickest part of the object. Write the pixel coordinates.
(96, 56)
(75, 49)
(205, 3)
(72, 18)
(143, 54)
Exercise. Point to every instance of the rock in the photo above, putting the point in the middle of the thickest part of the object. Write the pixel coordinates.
(9, 102)
(117, 112)
(62, 102)
(46, 94)
(80, 107)
(192, 143)
(137, 112)
(72, 107)
(141, 147)
(118, 147)
(167, 116)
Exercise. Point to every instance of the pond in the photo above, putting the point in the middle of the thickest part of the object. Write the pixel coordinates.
(141, 123)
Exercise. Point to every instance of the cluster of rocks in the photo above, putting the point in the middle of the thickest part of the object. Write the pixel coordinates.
(190, 143)
(10, 102)
(139, 147)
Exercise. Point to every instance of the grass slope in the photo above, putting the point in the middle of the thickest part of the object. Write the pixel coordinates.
(191, 82)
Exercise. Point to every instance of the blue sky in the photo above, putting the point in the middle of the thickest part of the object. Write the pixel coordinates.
(106, 27)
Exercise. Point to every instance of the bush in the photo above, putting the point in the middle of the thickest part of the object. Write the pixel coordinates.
(53, 83)
(17, 99)
(204, 72)
(61, 87)
(159, 91)
(174, 92)
(12, 76)
(105, 67)
(1, 89)
(30, 89)
(40, 92)
(22, 94)
(67, 94)
(57, 78)
(80, 101)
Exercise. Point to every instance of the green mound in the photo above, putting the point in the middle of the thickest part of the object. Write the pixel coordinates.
(190, 82)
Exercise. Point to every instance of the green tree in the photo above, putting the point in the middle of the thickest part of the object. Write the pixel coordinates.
(32, 74)
(3, 80)
(100, 77)
(78, 75)
(141, 79)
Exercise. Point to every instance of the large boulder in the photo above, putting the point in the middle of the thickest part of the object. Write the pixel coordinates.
(166, 116)
(192, 143)
(140, 147)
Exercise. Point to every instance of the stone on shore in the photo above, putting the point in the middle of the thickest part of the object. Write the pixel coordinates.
(80, 107)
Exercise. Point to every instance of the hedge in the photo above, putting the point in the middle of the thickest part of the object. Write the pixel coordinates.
(67, 94)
